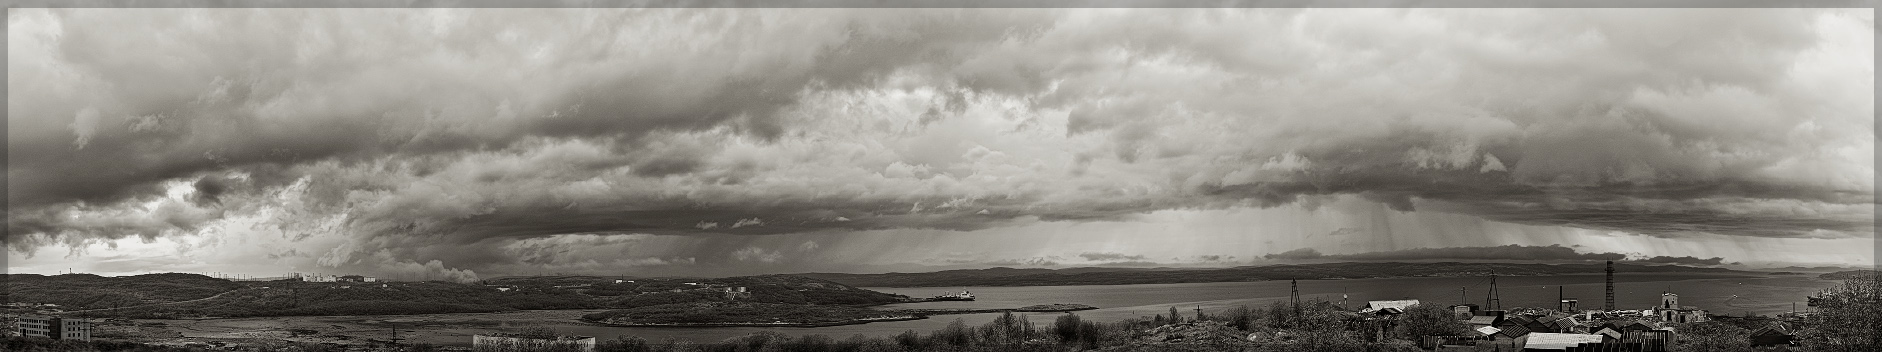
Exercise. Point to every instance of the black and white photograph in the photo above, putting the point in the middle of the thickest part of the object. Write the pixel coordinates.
(864, 176)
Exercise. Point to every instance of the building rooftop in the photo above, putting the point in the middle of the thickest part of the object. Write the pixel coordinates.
(1554, 341)
(1380, 305)
(1481, 320)
(1513, 331)
(1486, 331)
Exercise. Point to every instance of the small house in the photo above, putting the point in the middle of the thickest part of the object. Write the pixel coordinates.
(1609, 334)
(1464, 311)
(1484, 320)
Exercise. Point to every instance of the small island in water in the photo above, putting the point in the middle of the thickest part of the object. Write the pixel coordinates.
(726, 314)
(718, 314)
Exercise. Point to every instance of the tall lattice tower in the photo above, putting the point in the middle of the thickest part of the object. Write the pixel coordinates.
(1492, 301)
(1294, 297)
(1610, 303)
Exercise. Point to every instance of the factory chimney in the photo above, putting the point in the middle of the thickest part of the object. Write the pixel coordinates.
(1610, 302)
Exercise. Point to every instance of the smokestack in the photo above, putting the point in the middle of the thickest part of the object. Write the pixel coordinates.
(1610, 302)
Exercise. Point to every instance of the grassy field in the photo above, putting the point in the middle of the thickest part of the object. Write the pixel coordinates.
(86, 291)
(305, 298)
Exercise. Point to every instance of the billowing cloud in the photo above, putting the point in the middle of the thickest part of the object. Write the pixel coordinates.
(1034, 261)
(1109, 256)
(755, 254)
(447, 143)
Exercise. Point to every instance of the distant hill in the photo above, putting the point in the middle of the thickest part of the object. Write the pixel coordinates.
(294, 298)
(188, 295)
(1813, 269)
(1848, 274)
(1125, 276)
(86, 291)
(781, 289)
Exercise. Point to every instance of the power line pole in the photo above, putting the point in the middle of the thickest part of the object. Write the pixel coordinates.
(1295, 297)
(395, 336)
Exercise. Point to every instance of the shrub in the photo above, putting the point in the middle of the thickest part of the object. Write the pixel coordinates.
(1067, 327)
(1849, 316)
(1429, 320)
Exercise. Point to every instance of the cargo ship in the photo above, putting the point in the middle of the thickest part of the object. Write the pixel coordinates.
(962, 296)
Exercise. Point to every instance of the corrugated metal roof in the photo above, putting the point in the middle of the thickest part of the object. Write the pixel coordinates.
(1565, 323)
(1377, 305)
(1488, 330)
(1513, 331)
(1554, 341)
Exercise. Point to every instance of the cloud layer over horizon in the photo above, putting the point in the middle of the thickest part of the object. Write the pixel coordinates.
(450, 143)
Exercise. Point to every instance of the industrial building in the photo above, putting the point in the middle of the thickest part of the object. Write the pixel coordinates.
(1670, 310)
(55, 327)
(736, 293)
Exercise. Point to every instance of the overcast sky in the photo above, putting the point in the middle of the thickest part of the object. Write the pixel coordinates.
(466, 143)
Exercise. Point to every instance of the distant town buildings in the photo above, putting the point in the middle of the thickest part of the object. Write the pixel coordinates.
(1567, 328)
(736, 293)
(54, 327)
(508, 343)
(334, 278)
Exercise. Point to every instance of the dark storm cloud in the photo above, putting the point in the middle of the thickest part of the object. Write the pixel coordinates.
(376, 133)
(151, 122)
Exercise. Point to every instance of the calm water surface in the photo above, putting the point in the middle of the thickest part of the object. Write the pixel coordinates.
(1720, 294)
